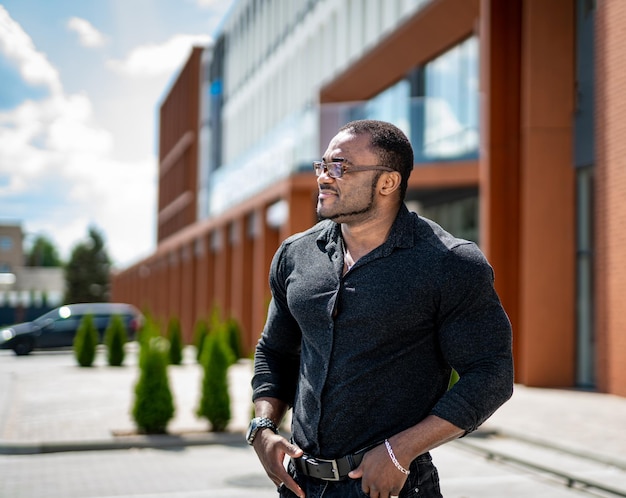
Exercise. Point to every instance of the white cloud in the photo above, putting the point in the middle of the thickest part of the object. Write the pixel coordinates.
(17, 46)
(63, 167)
(127, 192)
(87, 34)
(53, 149)
(57, 170)
(159, 59)
(38, 136)
(206, 4)
(71, 129)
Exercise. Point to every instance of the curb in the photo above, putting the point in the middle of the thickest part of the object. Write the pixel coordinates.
(157, 441)
(577, 451)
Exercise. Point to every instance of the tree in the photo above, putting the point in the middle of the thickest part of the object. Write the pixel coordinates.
(232, 331)
(43, 253)
(115, 337)
(153, 407)
(215, 398)
(87, 272)
(86, 342)
(174, 336)
(201, 330)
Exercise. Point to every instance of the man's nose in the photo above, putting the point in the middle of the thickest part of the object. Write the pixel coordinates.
(324, 177)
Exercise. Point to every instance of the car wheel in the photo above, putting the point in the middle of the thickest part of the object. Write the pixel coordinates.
(23, 348)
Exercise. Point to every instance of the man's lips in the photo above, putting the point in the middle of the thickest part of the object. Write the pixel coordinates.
(326, 192)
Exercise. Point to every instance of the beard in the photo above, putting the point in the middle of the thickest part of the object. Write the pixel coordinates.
(345, 214)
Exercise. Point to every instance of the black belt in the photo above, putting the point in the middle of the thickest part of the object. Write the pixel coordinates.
(328, 470)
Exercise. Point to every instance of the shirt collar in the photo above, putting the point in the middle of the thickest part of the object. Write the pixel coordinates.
(401, 235)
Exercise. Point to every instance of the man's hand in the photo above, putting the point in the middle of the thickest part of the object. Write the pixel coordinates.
(271, 449)
(380, 478)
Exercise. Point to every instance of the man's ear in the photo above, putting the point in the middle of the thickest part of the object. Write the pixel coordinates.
(390, 182)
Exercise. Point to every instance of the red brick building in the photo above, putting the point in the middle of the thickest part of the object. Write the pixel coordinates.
(550, 176)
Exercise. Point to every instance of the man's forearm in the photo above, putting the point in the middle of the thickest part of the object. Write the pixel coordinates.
(272, 408)
(431, 432)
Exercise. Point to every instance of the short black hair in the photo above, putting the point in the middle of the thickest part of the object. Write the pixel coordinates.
(390, 143)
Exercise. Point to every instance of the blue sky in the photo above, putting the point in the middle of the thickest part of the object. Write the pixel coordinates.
(81, 83)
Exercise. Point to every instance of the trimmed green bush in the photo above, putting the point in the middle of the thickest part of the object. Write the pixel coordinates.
(215, 399)
(233, 337)
(115, 338)
(149, 331)
(200, 332)
(175, 338)
(148, 318)
(153, 407)
(221, 328)
(86, 341)
(222, 331)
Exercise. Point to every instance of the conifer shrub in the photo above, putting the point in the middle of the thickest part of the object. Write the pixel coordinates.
(200, 331)
(153, 406)
(203, 328)
(233, 337)
(86, 342)
(215, 398)
(148, 318)
(175, 339)
(115, 338)
(221, 328)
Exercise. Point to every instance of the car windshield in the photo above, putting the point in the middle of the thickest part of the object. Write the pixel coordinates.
(62, 312)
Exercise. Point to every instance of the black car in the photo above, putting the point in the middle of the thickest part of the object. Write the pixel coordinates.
(57, 328)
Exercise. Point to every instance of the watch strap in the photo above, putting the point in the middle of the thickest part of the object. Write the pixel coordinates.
(259, 423)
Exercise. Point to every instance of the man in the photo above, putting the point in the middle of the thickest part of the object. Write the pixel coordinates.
(371, 310)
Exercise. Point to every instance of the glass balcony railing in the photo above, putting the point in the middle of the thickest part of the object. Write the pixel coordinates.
(436, 131)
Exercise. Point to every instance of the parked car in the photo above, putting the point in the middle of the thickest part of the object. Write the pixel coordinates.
(57, 328)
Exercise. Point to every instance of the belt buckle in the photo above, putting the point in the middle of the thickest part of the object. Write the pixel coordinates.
(335, 469)
(333, 464)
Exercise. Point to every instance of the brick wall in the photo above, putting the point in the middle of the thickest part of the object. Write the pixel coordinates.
(178, 150)
(611, 195)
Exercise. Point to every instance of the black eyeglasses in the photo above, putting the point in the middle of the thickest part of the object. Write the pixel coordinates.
(337, 169)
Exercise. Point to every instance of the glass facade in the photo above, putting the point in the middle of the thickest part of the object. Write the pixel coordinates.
(450, 130)
(439, 114)
(456, 210)
(289, 147)
(436, 106)
(584, 162)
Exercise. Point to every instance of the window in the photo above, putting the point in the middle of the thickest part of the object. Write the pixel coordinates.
(6, 243)
(436, 106)
(456, 210)
(450, 105)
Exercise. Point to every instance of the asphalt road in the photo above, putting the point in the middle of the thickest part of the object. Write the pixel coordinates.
(232, 472)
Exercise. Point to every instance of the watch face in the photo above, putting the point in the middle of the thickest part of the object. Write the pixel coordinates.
(256, 424)
(251, 431)
(253, 428)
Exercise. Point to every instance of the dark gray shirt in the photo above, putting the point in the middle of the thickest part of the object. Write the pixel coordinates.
(364, 356)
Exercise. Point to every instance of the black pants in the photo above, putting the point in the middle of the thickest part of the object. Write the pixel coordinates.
(422, 482)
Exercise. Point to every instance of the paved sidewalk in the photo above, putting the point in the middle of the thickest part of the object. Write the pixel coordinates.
(49, 404)
(583, 422)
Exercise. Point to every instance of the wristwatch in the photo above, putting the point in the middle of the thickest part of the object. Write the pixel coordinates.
(258, 423)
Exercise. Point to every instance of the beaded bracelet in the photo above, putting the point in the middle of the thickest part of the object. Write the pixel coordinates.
(395, 460)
